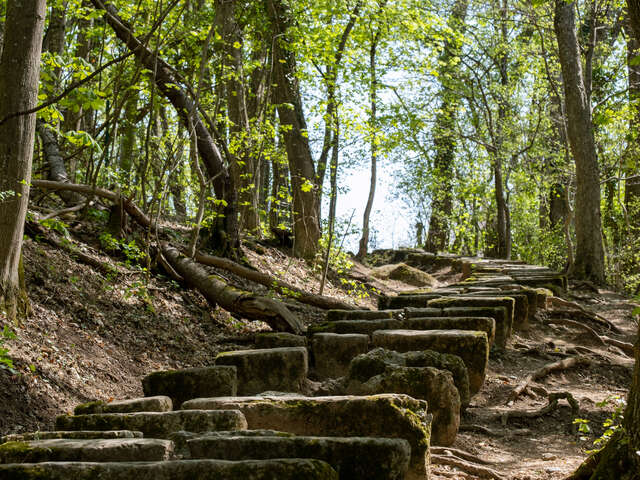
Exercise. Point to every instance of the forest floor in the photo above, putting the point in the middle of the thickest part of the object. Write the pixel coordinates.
(94, 336)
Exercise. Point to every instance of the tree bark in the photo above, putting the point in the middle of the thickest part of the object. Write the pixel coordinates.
(168, 84)
(444, 135)
(632, 162)
(589, 256)
(306, 221)
(19, 77)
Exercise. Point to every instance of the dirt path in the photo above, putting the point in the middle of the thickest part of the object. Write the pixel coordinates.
(548, 447)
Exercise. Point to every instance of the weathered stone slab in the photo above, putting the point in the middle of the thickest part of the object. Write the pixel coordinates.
(337, 315)
(427, 383)
(499, 315)
(490, 302)
(181, 385)
(390, 415)
(471, 347)
(78, 435)
(280, 469)
(355, 458)
(156, 424)
(160, 403)
(333, 352)
(375, 362)
(279, 340)
(95, 450)
(367, 327)
(277, 369)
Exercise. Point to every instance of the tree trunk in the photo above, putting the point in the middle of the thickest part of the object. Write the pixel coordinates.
(589, 256)
(444, 135)
(632, 161)
(227, 235)
(373, 146)
(306, 221)
(19, 77)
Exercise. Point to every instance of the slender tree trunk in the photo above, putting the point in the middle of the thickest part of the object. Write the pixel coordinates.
(227, 235)
(373, 145)
(306, 221)
(589, 258)
(19, 76)
(632, 160)
(444, 135)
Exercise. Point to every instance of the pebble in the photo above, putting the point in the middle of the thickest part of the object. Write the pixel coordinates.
(549, 456)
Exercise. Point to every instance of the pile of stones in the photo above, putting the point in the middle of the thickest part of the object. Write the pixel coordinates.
(362, 396)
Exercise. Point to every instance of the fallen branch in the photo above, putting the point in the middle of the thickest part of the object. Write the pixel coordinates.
(279, 286)
(458, 453)
(477, 470)
(246, 304)
(57, 213)
(551, 405)
(544, 371)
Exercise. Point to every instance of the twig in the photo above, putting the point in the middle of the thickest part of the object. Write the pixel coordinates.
(544, 371)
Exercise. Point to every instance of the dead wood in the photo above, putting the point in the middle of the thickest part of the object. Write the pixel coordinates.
(563, 364)
(480, 471)
(216, 291)
(243, 303)
(458, 453)
(279, 286)
(64, 211)
(552, 404)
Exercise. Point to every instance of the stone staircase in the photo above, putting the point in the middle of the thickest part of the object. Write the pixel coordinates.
(361, 396)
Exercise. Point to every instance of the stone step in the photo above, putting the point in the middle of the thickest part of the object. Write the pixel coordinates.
(270, 369)
(471, 347)
(389, 415)
(145, 404)
(93, 450)
(77, 435)
(467, 301)
(367, 327)
(337, 315)
(376, 361)
(354, 458)
(181, 385)
(156, 424)
(333, 352)
(280, 469)
(521, 312)
(499, 315)
(279, 340)
(435, 386)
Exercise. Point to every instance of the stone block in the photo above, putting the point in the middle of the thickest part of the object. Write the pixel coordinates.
(159, 403)
(280, 469)
(355, 458)
(279, 340)
(333, 352)
(78, 435)
(389, 415)
(181, 385)
(270, 369)
(156, 424)
(94, 450)
(471, 347)
(337, 315)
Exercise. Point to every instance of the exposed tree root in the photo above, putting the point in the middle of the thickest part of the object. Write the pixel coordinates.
(478, 429)
(544, 371)
(458, 453)
(572, 323)
(480, 471)
(572, 309)
(551, 405)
